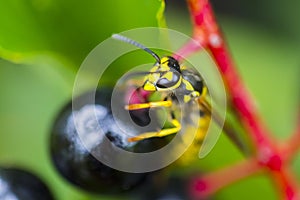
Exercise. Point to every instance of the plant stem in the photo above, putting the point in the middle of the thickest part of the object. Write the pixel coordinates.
(268, 154)
(286, 182)
(240, 98)
(209, 183)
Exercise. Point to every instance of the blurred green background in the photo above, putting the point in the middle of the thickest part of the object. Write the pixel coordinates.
(43, 42)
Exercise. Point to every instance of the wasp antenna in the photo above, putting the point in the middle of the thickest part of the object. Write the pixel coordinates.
(135, 43)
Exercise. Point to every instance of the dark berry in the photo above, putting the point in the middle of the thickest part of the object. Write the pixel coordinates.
(161, 187)
(16, 184)
(75, 162)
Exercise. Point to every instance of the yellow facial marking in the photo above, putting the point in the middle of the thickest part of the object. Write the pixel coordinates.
(168, 75)
(148, 86)
(153, 77)
(154, 69)
(164, 60)
(164, 68)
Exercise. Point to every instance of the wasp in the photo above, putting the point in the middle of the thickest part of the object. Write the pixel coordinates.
(176, 83)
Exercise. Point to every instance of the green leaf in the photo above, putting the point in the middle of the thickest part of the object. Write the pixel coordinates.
(69, 28)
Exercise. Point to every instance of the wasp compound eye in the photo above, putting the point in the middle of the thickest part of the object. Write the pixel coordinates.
(169, 80)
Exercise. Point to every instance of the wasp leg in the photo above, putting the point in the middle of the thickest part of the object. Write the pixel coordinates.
(154, 104)
(160, 133)
(204, 92)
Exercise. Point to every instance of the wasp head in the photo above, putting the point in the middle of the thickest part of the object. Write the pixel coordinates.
(165, 75)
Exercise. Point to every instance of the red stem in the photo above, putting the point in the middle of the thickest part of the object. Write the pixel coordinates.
(210, 183)
(207, 33)
(189, 48)
(287, 184)
(204, 20)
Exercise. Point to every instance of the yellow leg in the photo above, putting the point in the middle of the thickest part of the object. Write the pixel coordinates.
(148, 105)
(204, 92)
(160, 133)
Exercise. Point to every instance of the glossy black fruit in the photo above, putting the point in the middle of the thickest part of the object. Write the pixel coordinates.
(16, 184)
(75, 162)
(172, 188)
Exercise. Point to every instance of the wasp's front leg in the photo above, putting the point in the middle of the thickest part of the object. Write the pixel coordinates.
(139, 103)
(154, 104)
(161, 133)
